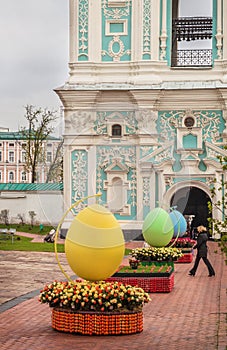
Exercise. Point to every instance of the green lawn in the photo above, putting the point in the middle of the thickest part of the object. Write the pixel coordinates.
(28, 228)
(25, 244)
(151, 268)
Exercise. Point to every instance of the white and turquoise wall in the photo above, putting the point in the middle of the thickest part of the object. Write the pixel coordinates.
(120, 74)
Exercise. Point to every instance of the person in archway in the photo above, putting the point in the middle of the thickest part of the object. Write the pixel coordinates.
(201, 247)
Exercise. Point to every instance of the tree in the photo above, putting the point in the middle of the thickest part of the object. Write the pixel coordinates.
(5, 216)
(32, 215)
(39, 128)
(21, 218)
(55, 172)
(220, 226)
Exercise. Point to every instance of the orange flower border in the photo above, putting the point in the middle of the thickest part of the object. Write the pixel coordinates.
(148, 284)
(186, 258)
(97, 323)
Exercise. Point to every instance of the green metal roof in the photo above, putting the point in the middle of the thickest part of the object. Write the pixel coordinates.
(17, 135)
(31, 186)
(11, 135)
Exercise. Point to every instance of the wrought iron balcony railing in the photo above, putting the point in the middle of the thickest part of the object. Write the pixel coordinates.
(192, 58)
(192, 28)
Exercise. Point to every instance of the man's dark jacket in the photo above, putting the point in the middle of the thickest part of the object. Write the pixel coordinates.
(201, 245)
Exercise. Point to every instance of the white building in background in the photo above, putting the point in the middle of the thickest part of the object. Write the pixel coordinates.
(145, 105)
(12, 158)
(17, 194)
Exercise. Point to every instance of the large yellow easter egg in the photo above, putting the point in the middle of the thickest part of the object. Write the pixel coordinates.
(94, 244)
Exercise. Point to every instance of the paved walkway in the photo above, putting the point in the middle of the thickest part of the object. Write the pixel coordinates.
(191, 317)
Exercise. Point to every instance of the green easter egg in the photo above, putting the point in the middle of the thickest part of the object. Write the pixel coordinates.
(158, 228)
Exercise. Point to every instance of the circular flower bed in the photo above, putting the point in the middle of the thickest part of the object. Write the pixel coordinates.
(100, 308)
(94, 296)
(156, 254)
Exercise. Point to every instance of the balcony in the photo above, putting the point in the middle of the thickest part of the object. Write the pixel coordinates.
(192, 30)
(192, 58)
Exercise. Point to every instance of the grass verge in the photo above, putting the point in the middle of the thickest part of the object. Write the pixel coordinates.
(25, 244)
(28, 228)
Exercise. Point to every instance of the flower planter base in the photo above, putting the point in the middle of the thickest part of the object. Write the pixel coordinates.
(149, 284)
(186, 258)
(97, 323)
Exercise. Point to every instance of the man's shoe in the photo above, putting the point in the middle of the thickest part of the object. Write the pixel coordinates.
(211, 274)
(191, 274)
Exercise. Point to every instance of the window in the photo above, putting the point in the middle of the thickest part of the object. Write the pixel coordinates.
(0, 176)
(11, 156)
(189, 122)
(192, 31)
(23, 156)
(116, 130)
(11, 176)
(0, 156)
(11, 144)
(49, 157)
(23, 176)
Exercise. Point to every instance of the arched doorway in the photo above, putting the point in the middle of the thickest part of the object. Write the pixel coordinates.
(192, 201)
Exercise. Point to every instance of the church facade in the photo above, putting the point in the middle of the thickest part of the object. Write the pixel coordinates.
(145, 107)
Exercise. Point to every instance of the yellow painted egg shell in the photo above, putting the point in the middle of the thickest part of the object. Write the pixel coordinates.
(94, 244)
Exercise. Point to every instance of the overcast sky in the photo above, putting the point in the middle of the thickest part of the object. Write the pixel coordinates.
(34, 56)
(34, 53)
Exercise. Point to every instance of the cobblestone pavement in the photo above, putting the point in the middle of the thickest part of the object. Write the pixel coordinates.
(192, 316)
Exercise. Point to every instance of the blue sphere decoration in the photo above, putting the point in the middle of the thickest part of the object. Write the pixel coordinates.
(179, 223)
(157, 228)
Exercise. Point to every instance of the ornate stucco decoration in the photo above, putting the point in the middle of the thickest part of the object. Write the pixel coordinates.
(210, 181)
(105, 120)
(214, 152)
(116, 51)
(117, 172)
(117, 167)
(159, 155)
(79, 122)
(207, 121)
(147, 150)
(117, 3)
(146, 29)
(125, 155)
(168, 180)
(116, 41)
(146, 191)
(110, 11)
(79, 176)
(147, 121)
(117, 163)
(83, 28)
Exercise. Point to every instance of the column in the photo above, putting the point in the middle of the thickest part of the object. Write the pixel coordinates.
(155, 29)
(163, 37)
(224, 17)
(73, 31)
(95, 31)
(219, 35)
(137, 32)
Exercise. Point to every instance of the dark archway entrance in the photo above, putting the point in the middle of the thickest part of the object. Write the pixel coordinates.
(192, 201)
